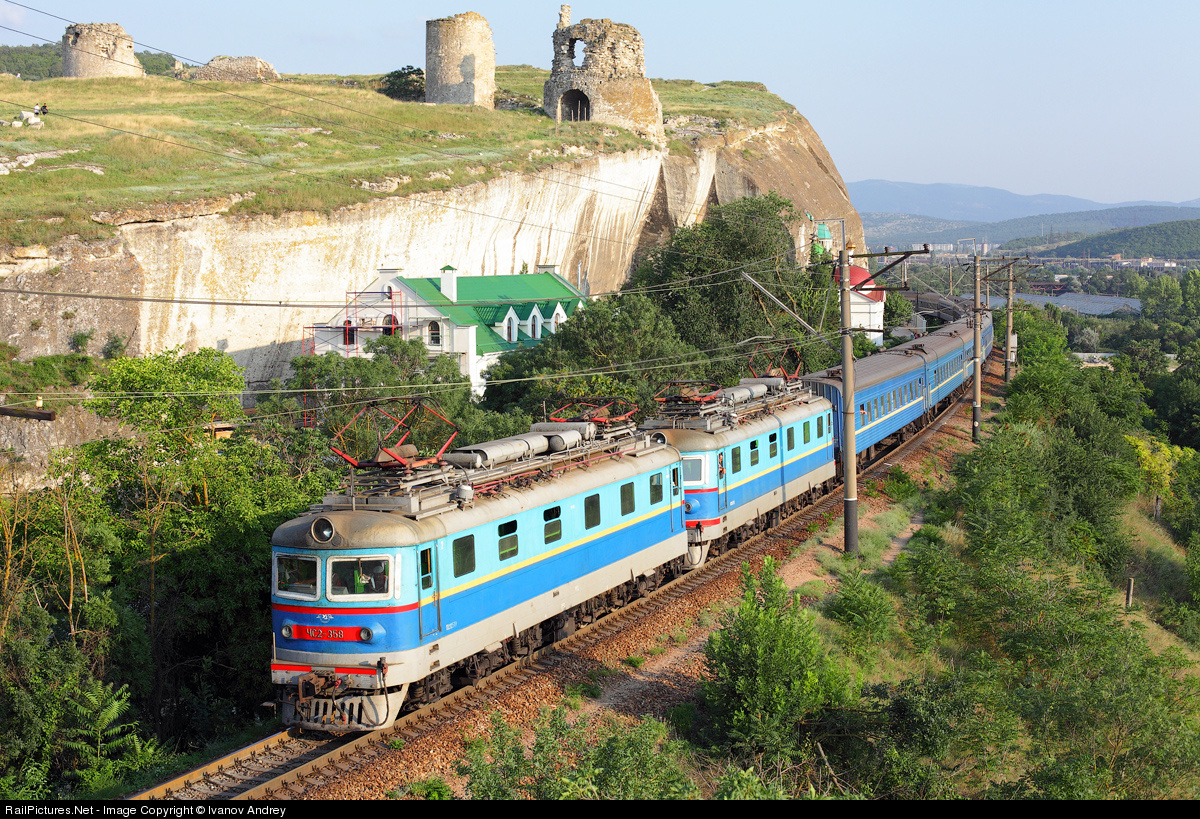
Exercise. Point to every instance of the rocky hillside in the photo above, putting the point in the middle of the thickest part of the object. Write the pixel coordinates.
(585, 198)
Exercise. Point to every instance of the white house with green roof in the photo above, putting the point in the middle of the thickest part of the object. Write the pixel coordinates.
(474, 318)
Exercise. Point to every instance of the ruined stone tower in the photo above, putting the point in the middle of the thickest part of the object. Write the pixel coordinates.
(99, 50)
(460, 61)
(610, 86)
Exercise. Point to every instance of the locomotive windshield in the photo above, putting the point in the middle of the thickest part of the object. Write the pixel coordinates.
(359, 576)
(296, 576)
(693, 470)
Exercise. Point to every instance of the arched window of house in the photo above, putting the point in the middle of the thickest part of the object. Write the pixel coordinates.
(348, 333)
(511, 330)
(435, 334)
(389, 325)
(536, 327)
(389, 292)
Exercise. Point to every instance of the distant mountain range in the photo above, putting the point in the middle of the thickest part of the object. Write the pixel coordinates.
(972, 203)
(901, 229)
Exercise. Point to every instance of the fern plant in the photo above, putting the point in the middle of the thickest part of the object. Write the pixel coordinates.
(100, 735)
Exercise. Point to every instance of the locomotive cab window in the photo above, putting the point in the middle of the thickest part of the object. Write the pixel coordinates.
(296, 576)
(366, 578)
(553, 519)
(693, 470)
(508, 539)
(464, 555)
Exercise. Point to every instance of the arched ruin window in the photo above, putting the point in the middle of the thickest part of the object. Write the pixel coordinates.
(575, 106)
(435, 334)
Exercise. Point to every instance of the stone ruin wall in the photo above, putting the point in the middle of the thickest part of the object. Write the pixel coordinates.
(612, 75)
(93, 50)
(235, 69)
(460, 61)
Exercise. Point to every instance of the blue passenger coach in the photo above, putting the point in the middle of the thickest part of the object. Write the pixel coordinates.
(749, 453)
(898, 390)
(393, 592)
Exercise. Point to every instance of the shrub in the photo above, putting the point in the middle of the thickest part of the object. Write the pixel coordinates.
(79, 341)
(406, 84)
(768, 671)
(433, 789)
(865, 609)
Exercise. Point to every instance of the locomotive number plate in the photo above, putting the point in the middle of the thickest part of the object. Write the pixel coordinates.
(326, 633)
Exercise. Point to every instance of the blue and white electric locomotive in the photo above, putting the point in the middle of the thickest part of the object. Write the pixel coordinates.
(750, 453)
(409, 582)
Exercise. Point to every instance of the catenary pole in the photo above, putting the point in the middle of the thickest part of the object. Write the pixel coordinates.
(1009, 352)
(977, 397)
(849, 459)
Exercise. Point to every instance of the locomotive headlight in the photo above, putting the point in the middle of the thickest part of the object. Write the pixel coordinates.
(286, 631)
(364, 634)
(687, 506)
(322, 530)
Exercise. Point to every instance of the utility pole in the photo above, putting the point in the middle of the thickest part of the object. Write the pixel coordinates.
(1009, 352)
(849, 454)
(977, 397)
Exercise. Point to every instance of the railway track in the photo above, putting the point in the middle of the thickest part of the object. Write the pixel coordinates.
(285, 764)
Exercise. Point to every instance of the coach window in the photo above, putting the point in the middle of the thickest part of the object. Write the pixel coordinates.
(774, 445)
(656, 488)
(464, 555)
(862, 412)
(807, 432)
(591, 511)
(693, 470)
(296, 576)
(754, 453)
(627, 501)
(735, 459)
(791, 438)
(362, 577)
(553, 519)
(508, 539)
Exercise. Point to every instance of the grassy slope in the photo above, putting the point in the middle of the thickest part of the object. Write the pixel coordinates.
(370, 137)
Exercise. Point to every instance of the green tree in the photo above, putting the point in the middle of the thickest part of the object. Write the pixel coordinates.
(621, 345)
(697, 281)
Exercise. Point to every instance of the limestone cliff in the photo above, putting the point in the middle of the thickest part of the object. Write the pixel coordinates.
(590, 217)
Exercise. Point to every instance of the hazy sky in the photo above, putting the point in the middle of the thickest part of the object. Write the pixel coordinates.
(1096, 98)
